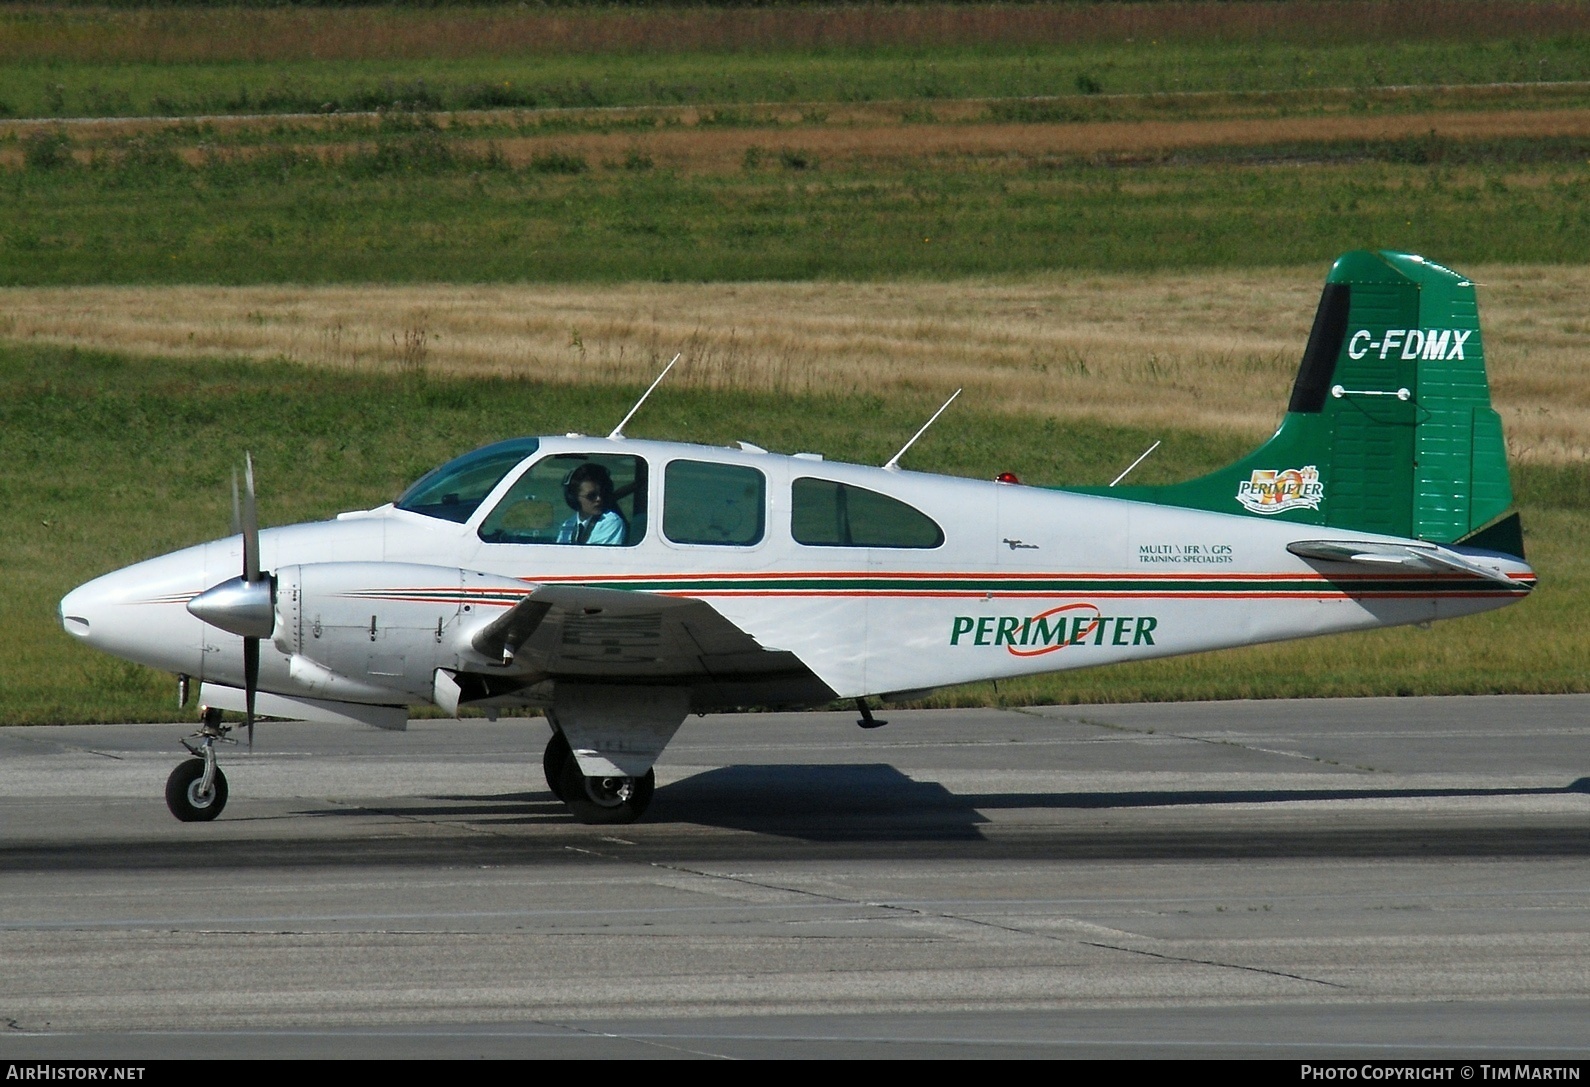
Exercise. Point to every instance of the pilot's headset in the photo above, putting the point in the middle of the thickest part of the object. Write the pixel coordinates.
(597, 475)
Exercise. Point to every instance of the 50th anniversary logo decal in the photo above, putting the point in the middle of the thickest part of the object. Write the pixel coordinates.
(1269, 491)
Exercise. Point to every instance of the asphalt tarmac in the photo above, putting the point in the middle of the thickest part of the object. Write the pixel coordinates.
(1345, 879)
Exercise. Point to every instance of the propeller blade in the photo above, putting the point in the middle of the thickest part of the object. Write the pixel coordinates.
(250, 681)
(250, 523)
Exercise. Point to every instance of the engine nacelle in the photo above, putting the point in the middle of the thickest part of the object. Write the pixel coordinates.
(363, 631)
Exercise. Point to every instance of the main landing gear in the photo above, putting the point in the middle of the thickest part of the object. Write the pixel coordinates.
(598, 800)
(196, 789)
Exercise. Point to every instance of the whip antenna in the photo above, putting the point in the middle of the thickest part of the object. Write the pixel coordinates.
(618, 431)
(1134, 464)
(894, 461)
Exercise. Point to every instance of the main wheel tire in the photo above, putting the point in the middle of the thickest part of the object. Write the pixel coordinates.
(553, 759)
(605, 799)
(183, 796)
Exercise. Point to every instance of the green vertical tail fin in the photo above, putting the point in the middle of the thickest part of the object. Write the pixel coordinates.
(1390, 427)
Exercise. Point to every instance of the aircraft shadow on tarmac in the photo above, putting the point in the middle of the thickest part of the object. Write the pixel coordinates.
(815, 803)
(877, 802)
(848, 812)
(837, 803)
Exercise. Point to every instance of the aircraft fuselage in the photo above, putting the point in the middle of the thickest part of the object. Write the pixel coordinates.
(1025, 580)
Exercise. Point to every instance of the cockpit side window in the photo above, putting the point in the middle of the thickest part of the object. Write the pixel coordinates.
(573, 498)
(824, 513)
(455, 490)
(707, 503)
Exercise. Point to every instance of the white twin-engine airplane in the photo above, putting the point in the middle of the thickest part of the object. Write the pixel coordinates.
(621, 584)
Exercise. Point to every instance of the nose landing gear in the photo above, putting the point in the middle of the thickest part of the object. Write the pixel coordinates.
(196, 789)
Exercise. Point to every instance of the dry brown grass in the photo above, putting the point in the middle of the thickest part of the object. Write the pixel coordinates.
(723, 149)
(861, 137)
(1488, 104)
(184, 34)
(1206, 349)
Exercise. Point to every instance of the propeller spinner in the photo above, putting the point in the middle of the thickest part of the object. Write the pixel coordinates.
(245, 606)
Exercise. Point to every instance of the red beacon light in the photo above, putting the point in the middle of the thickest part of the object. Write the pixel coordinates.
(1006, 477)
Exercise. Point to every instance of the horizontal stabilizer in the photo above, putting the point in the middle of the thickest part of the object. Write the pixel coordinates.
(1373, 554)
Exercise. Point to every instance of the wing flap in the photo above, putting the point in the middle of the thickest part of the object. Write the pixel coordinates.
(574, 631)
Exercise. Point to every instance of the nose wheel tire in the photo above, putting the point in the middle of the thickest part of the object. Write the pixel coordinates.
(605, 799)
(553, 760)
(187, 799)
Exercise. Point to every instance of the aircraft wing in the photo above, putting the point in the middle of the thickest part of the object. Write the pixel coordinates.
(1376, 555)
(574, 631)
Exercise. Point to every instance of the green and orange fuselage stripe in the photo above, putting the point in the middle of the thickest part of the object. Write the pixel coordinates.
(1004, 585)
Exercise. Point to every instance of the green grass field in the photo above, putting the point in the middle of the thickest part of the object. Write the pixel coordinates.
(111, 460)
(60, 86)
(418, 217)
(414, 195)
(77, 60)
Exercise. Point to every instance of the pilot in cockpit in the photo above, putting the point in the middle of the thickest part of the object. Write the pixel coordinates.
(589, 492)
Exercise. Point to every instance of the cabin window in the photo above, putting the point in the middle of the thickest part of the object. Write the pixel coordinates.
(705, 503)
(455, 490)
(592, 499)
(828, 514)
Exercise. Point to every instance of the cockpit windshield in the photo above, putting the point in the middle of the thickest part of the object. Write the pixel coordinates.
(453, 491)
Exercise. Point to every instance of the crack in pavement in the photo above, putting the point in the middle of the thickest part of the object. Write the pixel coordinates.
(959, 918)
(1136, 731)
(1215, 962)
